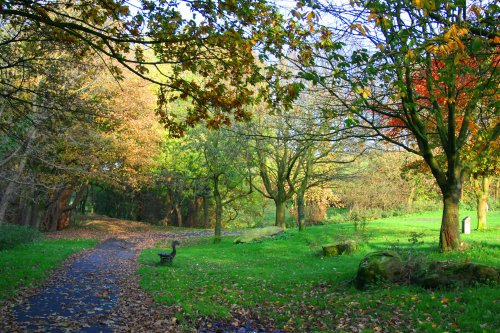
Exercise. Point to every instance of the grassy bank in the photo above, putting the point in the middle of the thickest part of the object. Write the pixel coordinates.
(287, 281)
(28, 265)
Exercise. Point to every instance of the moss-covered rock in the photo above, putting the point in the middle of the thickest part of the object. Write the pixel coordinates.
(378, 266)
(258, 234)
(347, 247)
(443, 274)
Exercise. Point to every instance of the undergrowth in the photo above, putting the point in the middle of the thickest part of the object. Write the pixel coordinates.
(13, 235)
(28, 265)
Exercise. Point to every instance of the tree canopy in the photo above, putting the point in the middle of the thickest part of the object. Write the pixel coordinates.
(310, 81)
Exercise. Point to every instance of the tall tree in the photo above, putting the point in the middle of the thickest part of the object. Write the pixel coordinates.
(216, 40)
(75, 132)
(483, 161)
(283, 148)
(397, 46)
(227, 167)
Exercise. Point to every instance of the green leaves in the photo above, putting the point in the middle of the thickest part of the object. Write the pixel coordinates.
(476, 44)
(311, 76)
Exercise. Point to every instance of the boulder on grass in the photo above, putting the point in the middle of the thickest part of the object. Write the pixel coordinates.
(258, 234)
(443, 274)
(378, 266)
(340, 248)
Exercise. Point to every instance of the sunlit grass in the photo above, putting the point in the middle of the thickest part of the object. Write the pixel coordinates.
(277, 277)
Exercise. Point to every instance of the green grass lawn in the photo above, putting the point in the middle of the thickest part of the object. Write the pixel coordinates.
(286, 280)
(28, 265)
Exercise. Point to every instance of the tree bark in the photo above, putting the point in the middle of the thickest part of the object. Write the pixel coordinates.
(63, 214)
(301, 210)
(218, 211)
(178, 212)
(170, 208)
(449, 238)
(280, 213)
(12, 185)
(194, 217)
(481, 189)
(206, 212)
(35, 216)
(57, 216)
(83, 203)
(411, 197)
(25, 211)
(5, 199)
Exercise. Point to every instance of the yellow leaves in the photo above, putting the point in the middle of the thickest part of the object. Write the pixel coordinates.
(364, 92)
(379, 19)
(426, 5)
(358, 27)
(418, 3)
(449, 42)
(311, 16)
(455, 32)
(410, 54)
(448, 101)
(372, 16)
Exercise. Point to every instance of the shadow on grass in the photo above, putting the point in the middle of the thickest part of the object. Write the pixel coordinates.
(426, 248)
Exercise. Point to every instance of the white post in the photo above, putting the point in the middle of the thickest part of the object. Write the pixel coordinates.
(466, 225)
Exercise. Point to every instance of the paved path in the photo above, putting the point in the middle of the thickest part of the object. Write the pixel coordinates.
(84, 297)
(98, 291)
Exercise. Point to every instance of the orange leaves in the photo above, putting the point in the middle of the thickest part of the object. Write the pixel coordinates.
(464, 84)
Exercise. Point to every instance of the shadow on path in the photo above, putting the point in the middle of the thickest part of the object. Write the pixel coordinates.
(98, 291)
(83, 297)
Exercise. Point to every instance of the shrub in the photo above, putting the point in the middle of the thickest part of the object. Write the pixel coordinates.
(413, 259)
(337, 219)
(425, 206)
(13, 235)
(315, 212)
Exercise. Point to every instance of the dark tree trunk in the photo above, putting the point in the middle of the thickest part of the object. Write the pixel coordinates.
(481, 189)
(301, 210)
(9, 191)
(7, 195)
(63, 215)
(450, 184)
(200, 213)
(193, 214)
(83, 203)
(449, 238)
(280, 213)
(25, 211)
(206, 212)
(55, 217)
(35, 216)
(58, 213)
(178, 212)
(218, 211)
(51, 214)
(170, 208)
